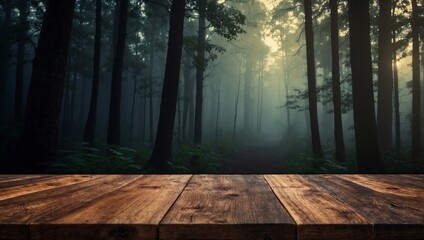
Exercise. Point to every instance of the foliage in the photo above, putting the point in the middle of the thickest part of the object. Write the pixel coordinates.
(207, 162)
(85, 159)
(324, 92)
(226, 21)
(400, 162)
(305, 163)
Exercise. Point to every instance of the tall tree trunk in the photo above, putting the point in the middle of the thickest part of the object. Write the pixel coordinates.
(163, 144)
(38, 139)
(217, 111)
(82, 104)
(20, 58)
(134, 94)
(5, 44)
(385, 76)
(188, 96)
(416, 90)
(179, 120)
(66, 99)
(114, 124)
(286, 88)
(237, 101)
(72, 103)
(115, 27)
(247, 94)
(396, 83)
(143, 134)
(367, 148)
(312, 91)
(90, 125)
(260, 97)
(151, 67)
(201, 39)
(335, 77)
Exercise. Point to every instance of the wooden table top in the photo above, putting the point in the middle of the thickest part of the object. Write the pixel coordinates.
(265, 207)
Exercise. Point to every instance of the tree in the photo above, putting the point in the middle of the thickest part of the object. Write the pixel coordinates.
(20, 58)
(114, 124)
(90, 126)
(416, 90)
(385, 76)
(312, 90)
(335, 76)
(5, 44)
(226, 22)
(163, 143)
(395, 82)
(367, 148)
(200, 67)
(38, 139)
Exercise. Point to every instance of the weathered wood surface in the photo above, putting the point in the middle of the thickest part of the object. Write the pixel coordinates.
(238, 207)
(211, 207)
(316, 213)
(132, 211)
(396, 210)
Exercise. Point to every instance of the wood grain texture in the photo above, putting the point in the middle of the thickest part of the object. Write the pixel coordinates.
(402, 215)
(317, 214)
(53, 203)
(390, 186)
(235, 207)
(42, 185)
(85, 207)
(132, 211)
(92, 232)
(7, 181)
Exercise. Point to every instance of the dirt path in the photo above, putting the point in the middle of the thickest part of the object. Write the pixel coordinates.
(263, 157)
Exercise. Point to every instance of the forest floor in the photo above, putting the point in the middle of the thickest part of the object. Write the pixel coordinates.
(258, 157)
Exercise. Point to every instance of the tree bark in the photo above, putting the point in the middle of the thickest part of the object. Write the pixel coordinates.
(260, 97)
(200, 68)
(335, 77)
(237, 101)
(151, 67)
(90, 126)
(20, 59)
(5, 44)
(163, 144)
(367, 148)
(385, 77)
(416, 90)
(217, 111)
(396, 83)
(312, 91)
(38, 139)
(114, 124)
(188, 97)
(247, 94)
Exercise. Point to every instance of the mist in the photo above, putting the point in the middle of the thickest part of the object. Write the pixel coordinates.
(261, 69)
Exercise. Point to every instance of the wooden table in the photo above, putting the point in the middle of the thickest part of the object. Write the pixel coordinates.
(211, 207)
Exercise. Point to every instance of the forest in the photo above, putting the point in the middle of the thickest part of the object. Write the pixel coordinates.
(211, 86)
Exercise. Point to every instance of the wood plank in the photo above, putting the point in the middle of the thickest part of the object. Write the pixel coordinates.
(388, 185)
(405, 180)
(227, 207)
(391, 214)
(42, 185)
(14, 177)
(56, 202)
(18, 180)
(317, 214)
(130, 212)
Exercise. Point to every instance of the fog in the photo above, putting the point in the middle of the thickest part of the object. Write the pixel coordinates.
(255, 115)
